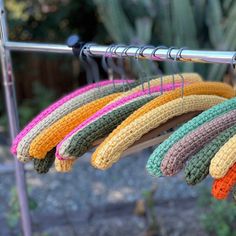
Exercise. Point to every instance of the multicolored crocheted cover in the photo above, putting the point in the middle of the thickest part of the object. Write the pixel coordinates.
(224, 159)
(116, 110)
(57, 104)
(155, 160)
(194, 141)
(52, 135)
(197, 168)
(126, 125)
(49, 137)
(112, 148)
(222, 187)
(61, 111)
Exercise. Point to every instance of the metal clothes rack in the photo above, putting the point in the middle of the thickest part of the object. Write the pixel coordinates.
(6, 46)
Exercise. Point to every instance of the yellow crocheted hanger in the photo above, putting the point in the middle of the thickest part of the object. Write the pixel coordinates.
(51, 136)
(65, 165)
(157, 112)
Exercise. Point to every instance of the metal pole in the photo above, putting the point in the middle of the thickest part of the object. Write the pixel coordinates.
(187, 55)
(10, 98)
(38, 47)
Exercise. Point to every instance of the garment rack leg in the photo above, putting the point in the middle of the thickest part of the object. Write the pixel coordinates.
(10, 100)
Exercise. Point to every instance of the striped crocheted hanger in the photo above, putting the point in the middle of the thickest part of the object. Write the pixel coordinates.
(208, 141)
(56, 132)
(156, 112)
(193, 142)
(104, 121)
(197, 168)
(59, 109)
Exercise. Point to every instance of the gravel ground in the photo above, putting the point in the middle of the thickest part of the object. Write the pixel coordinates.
(92, 202)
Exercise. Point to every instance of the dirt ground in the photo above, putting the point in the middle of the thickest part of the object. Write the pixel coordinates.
(104, 203)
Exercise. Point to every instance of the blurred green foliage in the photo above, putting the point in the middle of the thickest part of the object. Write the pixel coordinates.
(208, 24)
(42, 97)
(50, 20)
(219, 216)
(13, 215)
(195, 24)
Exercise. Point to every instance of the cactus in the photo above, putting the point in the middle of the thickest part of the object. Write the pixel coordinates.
(198, 24)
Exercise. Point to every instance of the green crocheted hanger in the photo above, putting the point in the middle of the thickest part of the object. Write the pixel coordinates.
(197, 168)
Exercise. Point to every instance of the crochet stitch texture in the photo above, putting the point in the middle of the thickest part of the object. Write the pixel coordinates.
(190, 144)
(83, 139)
(101, 127)
(224, 159)
(43, 166)
(64, 109)
(222, 187)
(197, 168)
(103, 122)
(189, 78)
(154, 161)
(54, 106)
(142, 96)
(64, 106)
(110, 151)
(52, 135)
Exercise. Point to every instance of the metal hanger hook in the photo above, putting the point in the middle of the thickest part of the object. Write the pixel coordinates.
(233, 61)
(156, 49)
(136, 57)
(119, 68)
(92, 63)
(106, 67)
(178, 56)
(168, 54)
(89, 74)
(153, 55)
(144, 47)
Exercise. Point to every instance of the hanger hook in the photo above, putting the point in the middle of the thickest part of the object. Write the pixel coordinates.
(119, 68)
(113, 52)
(140, 52)
(136, 57)
(174, 69)
(94, 67)
(107, 67)
(153, 55)
(89, 75)
(93, 64)
(233, 61)
(124, 55)
(177, 57)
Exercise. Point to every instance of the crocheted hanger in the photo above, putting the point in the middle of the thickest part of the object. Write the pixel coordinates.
(42, 166)
(197, 168)
(70, 101)
(91, 90)
(154, 162)
(191, 143)
(104, 121)
(147, 118)
(51, 136)
(57, 110)
(47, 139)
(224, 159)
(222, 187)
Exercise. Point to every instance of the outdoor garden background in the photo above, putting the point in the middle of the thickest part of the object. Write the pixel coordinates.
(123, 200)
